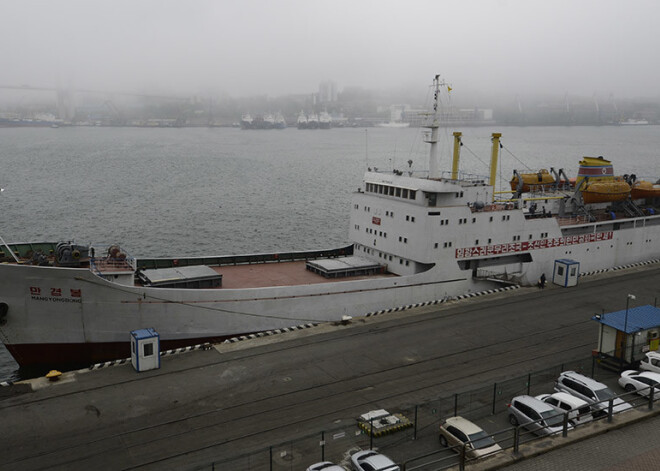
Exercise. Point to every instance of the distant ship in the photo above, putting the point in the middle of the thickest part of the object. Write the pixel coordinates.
(302, 121)
(313, 121)
(325, 121)
(634, 122)
(392, 124)
(280, 122)
(247, 121)
(38, 120)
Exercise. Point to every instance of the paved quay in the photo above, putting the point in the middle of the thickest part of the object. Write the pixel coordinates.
(210, 405)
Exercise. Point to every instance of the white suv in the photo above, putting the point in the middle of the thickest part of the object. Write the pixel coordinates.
(579, 411)
(595, 393)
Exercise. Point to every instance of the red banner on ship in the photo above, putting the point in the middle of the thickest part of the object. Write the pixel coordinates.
(513, 247)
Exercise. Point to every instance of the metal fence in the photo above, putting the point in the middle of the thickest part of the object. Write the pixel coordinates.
(415, 441)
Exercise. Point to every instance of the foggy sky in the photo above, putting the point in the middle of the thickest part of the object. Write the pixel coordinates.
(276, 47)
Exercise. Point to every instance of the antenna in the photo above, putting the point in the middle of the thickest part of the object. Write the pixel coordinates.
(366, 148)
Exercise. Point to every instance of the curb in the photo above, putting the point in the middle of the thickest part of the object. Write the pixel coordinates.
(620, 267)
(271, 332)
(443, 300)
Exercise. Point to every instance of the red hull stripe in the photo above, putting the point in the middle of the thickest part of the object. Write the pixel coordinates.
(87, 354)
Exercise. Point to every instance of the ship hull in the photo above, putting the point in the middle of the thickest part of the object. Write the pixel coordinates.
(95, 325)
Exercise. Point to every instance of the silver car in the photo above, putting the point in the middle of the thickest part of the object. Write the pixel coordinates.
(535, 415)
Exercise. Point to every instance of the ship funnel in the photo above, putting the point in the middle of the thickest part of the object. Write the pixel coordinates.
(457, 155)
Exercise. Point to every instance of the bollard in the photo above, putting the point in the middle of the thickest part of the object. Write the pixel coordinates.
(415, 430)
(455, 404)
(271, 458)
(651, 394)
(564, 426)
(610, 410)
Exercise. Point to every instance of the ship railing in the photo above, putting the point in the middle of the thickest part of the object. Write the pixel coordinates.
(100, 265)
(571, 221)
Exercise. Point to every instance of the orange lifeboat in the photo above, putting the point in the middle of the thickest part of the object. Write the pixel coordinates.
(605, 191)
(644, 189)
(538, 180)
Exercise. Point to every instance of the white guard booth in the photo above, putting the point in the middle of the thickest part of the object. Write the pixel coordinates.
(566, 272)
(145, 349)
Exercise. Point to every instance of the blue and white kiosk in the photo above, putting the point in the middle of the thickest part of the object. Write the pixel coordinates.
(145, 349)
(566, 272)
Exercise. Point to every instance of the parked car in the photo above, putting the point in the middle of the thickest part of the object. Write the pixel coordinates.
(579, 411)
(641, 382)
(651, 362)
(457, 431)
(535, 415)
(369, 460)
(595, 393)
(325, 466)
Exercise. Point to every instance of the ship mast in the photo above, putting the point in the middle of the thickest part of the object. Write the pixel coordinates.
(433, 126)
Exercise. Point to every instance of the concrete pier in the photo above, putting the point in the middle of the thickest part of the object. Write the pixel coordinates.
(209, 405)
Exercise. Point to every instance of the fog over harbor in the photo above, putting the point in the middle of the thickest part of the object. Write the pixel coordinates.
(259, 47)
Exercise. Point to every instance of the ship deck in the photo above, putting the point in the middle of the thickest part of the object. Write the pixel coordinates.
(263, 275)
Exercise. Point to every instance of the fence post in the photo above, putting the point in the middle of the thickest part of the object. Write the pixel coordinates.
(494, 396)
(455, 404)
(371, 433)
(610, 410)
(415, 429)
(516, 439)
(461, 461)
(593, 366)
(564, 426)
(529, 382)
(271, 458)
(322, 446)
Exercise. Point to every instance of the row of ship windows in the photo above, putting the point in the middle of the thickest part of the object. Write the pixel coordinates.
(383, 255)
(368, 230)
(443, 222)
(391, 191)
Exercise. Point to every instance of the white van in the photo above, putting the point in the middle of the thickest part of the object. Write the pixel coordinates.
(579, 411)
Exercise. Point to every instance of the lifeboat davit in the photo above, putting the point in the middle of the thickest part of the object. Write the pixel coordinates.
(538, 180)
(643, 189)
(605, 191)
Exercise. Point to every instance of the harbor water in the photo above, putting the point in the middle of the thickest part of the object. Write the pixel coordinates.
(220, 191)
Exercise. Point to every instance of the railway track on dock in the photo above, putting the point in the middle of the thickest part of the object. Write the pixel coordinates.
(276, 392)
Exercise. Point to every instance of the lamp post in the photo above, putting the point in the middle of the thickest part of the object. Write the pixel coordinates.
(625, 323)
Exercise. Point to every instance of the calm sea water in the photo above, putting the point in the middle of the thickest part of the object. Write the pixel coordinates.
(199, 191)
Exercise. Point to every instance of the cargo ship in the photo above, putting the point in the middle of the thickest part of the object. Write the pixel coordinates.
(416, 237)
